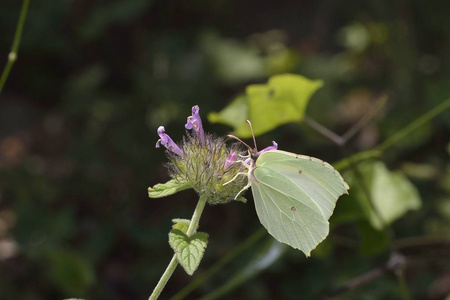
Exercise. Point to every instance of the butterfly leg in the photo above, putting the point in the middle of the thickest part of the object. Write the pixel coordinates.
(245, 187)
(234, 178)
(243, 190)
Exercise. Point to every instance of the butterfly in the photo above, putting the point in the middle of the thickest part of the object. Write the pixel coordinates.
(294, 195)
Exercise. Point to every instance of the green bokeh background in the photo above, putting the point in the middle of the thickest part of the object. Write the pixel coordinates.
(95, 79)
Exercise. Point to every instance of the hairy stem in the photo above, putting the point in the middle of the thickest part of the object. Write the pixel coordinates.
(164, 278)
(16, 42)
(174, 262)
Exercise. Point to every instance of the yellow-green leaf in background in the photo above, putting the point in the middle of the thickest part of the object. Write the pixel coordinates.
(235, 114)
(282, 100)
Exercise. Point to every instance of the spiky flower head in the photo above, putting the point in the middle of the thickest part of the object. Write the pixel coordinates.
(205, 162)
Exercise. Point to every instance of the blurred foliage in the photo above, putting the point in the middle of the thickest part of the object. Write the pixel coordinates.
(378, 195)
(94, 80)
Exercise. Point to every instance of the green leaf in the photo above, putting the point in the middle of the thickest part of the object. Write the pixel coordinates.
(189, 250)
(282, 100)
(391, 193)
(166, 189)
(235, 114)
(232, 60)
(70, 271)
(181, 224)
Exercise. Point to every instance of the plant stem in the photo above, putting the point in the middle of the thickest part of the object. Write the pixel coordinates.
(164, 278)
(402, 133)
(196, 216)
(16, 42)
(403, 286)
(174, 262)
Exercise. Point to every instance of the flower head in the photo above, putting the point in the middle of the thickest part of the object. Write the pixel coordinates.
(195, 122)
(204, 162)
(167, 142)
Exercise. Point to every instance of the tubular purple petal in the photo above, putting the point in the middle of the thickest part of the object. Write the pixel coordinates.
(230, 160)
(273, 147)
(167, 142)
(195, 122)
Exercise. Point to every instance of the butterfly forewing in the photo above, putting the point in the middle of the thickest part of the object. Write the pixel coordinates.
(318, 180)
(294, 197)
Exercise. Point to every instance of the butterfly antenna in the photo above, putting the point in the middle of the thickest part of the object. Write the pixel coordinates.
(253, 135)
(241, 141)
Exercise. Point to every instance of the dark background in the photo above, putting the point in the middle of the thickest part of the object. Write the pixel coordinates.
(95, 79)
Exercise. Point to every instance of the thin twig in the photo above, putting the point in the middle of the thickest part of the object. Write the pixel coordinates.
(372, 112)
(396, 263)
(338, 140)
(12, 56)
(421, 241)
(341, 140)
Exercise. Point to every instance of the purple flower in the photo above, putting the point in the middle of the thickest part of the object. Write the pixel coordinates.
(230, 160)
(273, 147)
(167, 142)
(195, 122)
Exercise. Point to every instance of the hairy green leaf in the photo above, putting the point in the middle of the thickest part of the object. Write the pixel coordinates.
(189, 250)
(166, 189)
(181, 224)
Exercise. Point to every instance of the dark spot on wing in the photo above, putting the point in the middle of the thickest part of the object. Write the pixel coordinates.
(300, 171)
(293, 208)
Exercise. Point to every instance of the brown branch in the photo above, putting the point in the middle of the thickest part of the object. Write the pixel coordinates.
(396, 264)
(341, 140)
